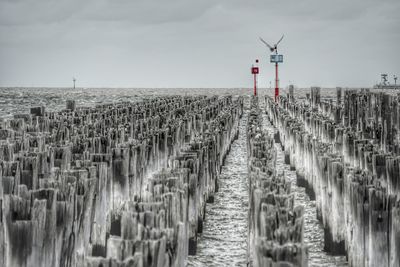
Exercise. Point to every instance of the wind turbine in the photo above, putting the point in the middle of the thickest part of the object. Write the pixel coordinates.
(275, 58)
(272, 48)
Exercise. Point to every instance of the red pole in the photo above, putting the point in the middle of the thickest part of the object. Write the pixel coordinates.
(255, 84)
(255, 71)
(276, 82)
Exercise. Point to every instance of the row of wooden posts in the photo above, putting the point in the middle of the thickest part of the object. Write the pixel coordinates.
(275, 235)
(117, 185)
(347, 156)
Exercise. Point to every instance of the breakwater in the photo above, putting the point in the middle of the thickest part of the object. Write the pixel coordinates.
(122, 184)
(313, 230)
(155, 181)
(275, 224)
(346, 155)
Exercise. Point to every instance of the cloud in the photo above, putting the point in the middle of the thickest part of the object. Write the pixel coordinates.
(25, 12)
(195, 43)
(28, 12)
(144, 12)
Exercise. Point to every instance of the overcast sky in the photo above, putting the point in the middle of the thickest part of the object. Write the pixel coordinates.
(196, 43)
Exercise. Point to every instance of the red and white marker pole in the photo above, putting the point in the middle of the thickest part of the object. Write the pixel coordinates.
(255, 71)
(276, 82)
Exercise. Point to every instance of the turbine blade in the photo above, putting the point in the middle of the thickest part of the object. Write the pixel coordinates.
(280, 39)
(262, 40)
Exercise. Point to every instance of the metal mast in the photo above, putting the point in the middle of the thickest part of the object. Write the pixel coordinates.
(275, 58)
(255, 71)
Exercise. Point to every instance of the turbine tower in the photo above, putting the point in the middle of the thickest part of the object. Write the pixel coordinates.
(275, 58)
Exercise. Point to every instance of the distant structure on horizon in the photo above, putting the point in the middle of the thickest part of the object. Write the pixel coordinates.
(74, 80)
(275, 58)
(385, 84)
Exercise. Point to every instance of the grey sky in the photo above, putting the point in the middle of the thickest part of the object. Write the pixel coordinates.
(203, 43)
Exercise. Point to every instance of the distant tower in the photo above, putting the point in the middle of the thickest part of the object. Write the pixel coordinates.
(255, 71)
(74, 80)
(395, 79)
(384, 79)
(275, 58)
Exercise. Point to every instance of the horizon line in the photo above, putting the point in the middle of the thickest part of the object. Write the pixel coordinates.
(123, 87)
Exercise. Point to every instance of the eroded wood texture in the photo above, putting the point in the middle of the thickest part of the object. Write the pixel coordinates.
(347, 155)
(275, 224)
(117, 185)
